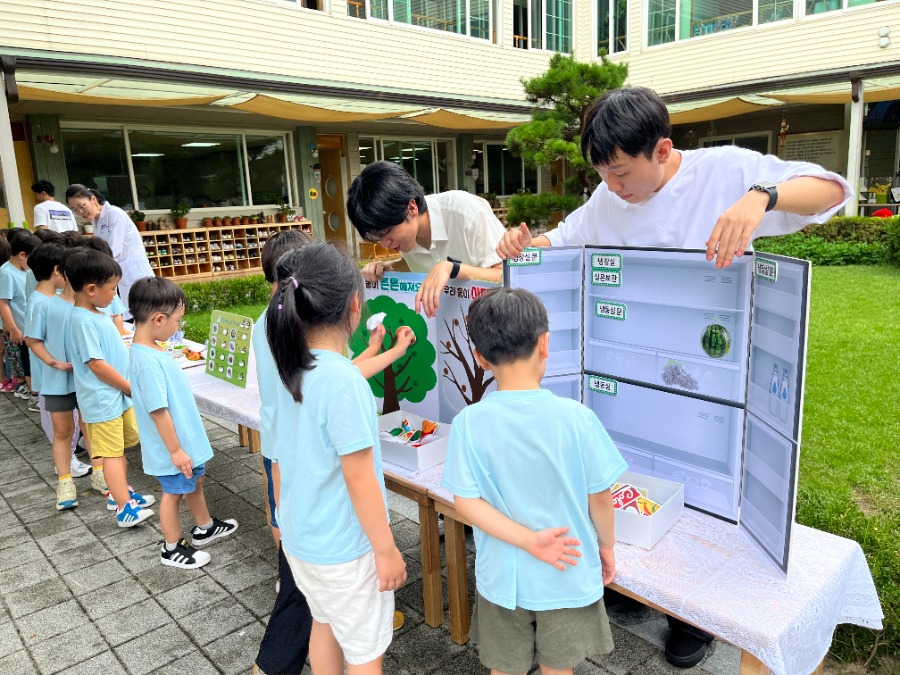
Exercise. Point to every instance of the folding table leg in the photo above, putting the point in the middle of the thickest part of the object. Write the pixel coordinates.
(750, 665)
(243, 436)
(457, 585)
(429, 541)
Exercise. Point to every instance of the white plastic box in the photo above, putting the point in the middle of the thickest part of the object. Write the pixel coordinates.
(645, 531)
(407, 456)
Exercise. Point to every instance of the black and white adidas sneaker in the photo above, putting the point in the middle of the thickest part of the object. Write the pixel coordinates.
(218, 530)
(183, 555)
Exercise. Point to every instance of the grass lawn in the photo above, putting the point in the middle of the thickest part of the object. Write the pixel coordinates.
(197, 324)
(850, 456)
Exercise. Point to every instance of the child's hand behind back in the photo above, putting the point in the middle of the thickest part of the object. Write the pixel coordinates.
(554, 548)
(391, 568)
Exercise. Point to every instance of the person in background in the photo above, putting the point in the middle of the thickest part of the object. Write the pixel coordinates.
(116, 227)
(451, 235)
(48, 213)
(8, 384)
(653, 195)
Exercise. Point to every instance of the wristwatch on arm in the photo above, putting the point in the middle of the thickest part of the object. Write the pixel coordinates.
(770, 189)
(456, 263)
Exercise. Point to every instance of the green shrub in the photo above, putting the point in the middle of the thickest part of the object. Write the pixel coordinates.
(849, 228)
(822, 252)
(210, 295)
(892, 240)
(535, 210)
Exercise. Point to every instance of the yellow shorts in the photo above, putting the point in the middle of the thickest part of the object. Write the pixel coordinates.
(109, 439)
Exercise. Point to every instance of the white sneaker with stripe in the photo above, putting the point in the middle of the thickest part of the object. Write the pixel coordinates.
(182, 556)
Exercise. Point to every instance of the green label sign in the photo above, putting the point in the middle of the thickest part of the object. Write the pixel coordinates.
(229, 347)
(606, 278)
(766, 269)
(603, 385)
(530, 256)
(610, 310)
(609, 261)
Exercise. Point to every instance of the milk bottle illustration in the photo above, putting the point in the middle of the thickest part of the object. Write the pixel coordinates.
(783, 412)
(773, 391)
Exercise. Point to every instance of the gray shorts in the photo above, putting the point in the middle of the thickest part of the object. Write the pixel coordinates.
(61, 403)
(511, 640)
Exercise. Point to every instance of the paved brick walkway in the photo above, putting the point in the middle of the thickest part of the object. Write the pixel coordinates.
(79, 595)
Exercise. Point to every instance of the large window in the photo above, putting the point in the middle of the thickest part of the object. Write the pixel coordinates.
(543, 24)
(429, 161)
(158, 168)
(612, 26)
(464, 17)
(671, 20)
(758, 141)
(500, 173)
(822, 6)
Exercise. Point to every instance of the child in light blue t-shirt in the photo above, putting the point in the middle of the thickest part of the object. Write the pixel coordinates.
(532, 472)
(13, 307)
(174, 445)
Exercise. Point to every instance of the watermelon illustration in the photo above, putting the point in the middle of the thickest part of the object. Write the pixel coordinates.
(716, 340)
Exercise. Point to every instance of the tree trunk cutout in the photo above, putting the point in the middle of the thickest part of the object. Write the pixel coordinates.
(474, 385)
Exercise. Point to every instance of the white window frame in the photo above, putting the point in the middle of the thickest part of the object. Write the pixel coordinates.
(494, 36)
(378, 142)
(595, 32)
(287, 135)
(845, 7)
(543, 47)
(481, 145)
(706, 141)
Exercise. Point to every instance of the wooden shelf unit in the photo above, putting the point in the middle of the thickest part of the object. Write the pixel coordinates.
(203, 253)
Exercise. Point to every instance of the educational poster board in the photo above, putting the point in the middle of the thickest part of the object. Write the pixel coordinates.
(228, 355)
(438, 375)
(677, 363)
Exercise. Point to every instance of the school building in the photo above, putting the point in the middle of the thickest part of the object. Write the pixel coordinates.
(233, 106)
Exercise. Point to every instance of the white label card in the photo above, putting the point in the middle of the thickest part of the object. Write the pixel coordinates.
(606, 278)
(609, 261)
(530, 256)
(766, 269)
(610, 310)
(603, 385)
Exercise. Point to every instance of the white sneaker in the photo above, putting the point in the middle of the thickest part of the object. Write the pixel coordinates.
(98, 483)
(79, 468)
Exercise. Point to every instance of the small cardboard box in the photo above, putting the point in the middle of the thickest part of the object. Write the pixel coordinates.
(645, 531)
(407, 456)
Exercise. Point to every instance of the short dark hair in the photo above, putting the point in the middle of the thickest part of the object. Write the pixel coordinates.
(46, 235)
(505, 324)
(150, 295)
(23, 243)
(85, 266)
(71, 238)
(631, 119)
(13, 232)
(46, 258)
(276, 246)
(43, 186)
(79, 190)
(5, 252)
(378, 199)
(97, 244)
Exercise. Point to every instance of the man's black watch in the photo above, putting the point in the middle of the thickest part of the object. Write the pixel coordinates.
(456, 263)
(770, 189)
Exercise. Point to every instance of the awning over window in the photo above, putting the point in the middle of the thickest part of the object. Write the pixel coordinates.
(466, 121)
(272, 106)
(717, 108)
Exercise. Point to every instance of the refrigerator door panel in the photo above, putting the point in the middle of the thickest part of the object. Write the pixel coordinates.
(778, 341)
(769, 491)
(564, 386)
(556, 276)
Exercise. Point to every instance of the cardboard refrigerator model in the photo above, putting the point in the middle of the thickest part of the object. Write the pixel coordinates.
(696, 373)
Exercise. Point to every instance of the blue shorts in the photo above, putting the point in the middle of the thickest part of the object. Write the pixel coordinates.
(177, 484)
(267, 467)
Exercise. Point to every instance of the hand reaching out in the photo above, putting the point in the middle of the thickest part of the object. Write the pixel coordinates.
(405, 338)
(376, 337)
(514, 241)
(554, 548)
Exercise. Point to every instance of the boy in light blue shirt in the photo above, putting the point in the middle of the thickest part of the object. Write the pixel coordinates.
(532, 472)
(174, 445)
(99, 362)
(13, 304)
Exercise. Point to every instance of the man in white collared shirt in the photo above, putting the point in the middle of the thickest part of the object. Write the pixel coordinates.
(450, 235)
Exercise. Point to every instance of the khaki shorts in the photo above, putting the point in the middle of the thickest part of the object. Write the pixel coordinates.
(511, 640)
(109, 439)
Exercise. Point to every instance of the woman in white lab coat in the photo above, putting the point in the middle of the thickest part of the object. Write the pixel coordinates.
(116, 227)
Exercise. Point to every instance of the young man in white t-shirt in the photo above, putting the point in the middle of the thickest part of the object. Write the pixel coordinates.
(50, 213)
(718, 199)
(451, 235)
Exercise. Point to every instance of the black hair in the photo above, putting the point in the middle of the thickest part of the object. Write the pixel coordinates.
(71, 238)
(43, 186)
(150, 295)
(79, 190)
(379, 197)
(631, 119)
(505, 324)
(317, 283)
(47, 257)
(45, 235)
(23, 243)
(5, 252)
(97, 244)
(13, 232)
(276, 246)
(85, 266)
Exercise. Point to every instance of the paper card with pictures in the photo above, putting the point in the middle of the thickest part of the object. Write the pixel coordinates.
(228, 355)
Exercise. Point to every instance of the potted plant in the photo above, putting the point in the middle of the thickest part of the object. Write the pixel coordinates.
(226, 221)
(254, 219)
(138, 218)
(179, 213)
(245, 220)
(284, 211)
(217, 221)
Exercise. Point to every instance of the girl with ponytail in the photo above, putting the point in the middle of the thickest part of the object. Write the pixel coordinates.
(332, 507)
